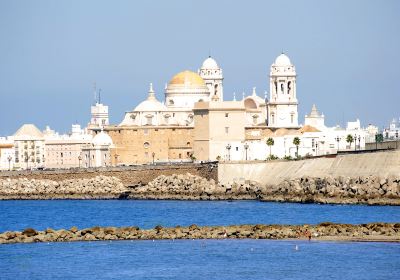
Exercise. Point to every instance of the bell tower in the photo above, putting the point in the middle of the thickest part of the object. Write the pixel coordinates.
(212, 76)
(282, 105)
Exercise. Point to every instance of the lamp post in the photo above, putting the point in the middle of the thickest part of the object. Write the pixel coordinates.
(337, 140)
(26, 160)
(316, 149)
(355, 142)
(79, 159)
(116, 159)
(246, 147)
(9, 158)
(359, 142)
(228, 147)
(153, 154)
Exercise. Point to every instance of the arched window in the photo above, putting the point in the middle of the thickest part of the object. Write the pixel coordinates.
(146, 145)
(171, 102)
(272, 118)
(250, 104)
(289, 87)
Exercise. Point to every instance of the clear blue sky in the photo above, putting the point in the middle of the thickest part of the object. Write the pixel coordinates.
(347, 54)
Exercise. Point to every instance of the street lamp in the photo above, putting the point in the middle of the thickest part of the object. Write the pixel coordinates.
(26, 160)
(359, 142)
(9, 158)
(316, 149)
(79, 159)
(246, 147)
(355, 142)
(116, 159)
(228, 147)
(153, 154)
(337, 140)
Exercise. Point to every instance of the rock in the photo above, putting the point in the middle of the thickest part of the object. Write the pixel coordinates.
(29, 232)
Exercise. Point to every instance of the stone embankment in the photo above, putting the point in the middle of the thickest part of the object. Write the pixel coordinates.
(323, 231)
(99, 187)
(361, 190)
(190, 187)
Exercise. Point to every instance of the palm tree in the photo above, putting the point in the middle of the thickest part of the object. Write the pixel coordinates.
(296, 141)
(349, 139)
(270, 143)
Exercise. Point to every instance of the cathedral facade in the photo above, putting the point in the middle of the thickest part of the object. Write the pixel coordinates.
(177, 129)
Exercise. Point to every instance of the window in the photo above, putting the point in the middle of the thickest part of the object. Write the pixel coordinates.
(149, 120)
(291, 118)
(226, 130)
(146, 145)
(237, 149)
(226, 115)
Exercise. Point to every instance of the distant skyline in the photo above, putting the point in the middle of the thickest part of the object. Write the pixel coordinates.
(346, 55)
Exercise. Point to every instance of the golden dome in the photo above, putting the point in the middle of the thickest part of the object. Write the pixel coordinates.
(187, 78)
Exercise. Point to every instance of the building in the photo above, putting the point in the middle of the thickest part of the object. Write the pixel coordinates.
(392, 132)
(65, 151)
(7, 154)
(282, 105)
(98, 152)
(29, 147)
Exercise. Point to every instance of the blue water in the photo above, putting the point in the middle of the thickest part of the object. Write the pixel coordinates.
(193, 259)
(201, 259)
(40, 214)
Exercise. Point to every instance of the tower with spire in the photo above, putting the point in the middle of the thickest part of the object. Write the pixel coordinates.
(282, 105)
(99, 112)
(212, 76)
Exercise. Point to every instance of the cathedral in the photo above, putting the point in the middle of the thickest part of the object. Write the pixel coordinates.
(195, 122)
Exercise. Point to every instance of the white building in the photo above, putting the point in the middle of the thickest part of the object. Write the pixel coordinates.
(392, 132)
(99, 116)
(29, 147)
(282, 105)
(97, 153)
(7, 154)
(65, 151)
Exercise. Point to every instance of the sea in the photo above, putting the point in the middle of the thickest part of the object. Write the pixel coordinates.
(193, 259)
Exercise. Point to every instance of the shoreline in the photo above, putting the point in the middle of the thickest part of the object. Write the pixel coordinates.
(168, 197)
(326, 231)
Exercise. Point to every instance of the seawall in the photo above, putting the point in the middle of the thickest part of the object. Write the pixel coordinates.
(382, 164)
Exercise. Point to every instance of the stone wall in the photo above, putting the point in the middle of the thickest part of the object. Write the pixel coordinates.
(129, 176)
(322, 231)
(382, 164)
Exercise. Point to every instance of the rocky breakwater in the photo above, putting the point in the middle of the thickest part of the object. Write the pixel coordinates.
(191, 187)
(99, 187)
(360, 190)
(323, 231)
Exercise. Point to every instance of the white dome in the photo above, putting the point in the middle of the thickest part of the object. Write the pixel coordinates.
(150, 106)
(282, 60)
(102, 138)
(210, 63)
